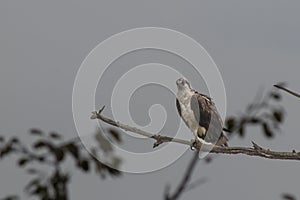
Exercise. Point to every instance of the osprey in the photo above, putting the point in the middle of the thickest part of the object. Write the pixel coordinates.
(199, 114)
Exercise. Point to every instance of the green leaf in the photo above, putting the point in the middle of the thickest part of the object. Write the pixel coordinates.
(55, 135)
(278, 115)
(39, 144)
(41, 158)
(40, 190)
(23, 161)
(84, 165)
(73, 149)
(254, 120)
(115, 134)
(267, 130)
(230, 123)
(288, 197)
(59, 154)
(35, 131)
(32, 183)
(32, 171)
(275, 96)
(241, 131)
(6, 150)
(11, 197)
(14, 140)
(103, 142)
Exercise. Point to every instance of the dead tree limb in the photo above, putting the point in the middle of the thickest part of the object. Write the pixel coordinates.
(255, 150)
(186, 178)
(287, 90)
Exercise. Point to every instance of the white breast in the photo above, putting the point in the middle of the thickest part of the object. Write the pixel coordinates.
(187, 113)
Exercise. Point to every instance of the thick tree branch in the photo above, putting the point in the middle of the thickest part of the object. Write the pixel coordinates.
(255, 150)
(287, 90)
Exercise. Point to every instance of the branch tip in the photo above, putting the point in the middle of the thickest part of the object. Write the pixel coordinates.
(94, 115)
(287, 90)
(255, 146)
(100, 111)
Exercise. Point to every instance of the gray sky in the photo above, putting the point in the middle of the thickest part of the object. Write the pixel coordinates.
(254, 43)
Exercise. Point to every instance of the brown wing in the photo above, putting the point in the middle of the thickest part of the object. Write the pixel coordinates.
(208, 117)
(178, 107)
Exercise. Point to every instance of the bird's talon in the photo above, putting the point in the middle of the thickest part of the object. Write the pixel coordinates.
(194, 143)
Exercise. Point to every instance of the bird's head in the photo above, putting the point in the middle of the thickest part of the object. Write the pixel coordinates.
(183, 84)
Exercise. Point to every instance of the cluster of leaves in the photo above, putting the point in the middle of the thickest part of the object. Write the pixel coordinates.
(51, 150)
(265, 112)
(287, 196)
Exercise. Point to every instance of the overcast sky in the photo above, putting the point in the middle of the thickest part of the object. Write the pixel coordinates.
(254, 43)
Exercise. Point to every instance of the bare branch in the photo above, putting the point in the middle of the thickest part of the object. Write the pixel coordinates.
(287, 90)
(184, 182)
(255, 150)
(195, 184)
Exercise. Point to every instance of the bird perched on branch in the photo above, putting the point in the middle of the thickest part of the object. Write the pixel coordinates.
(199, 113)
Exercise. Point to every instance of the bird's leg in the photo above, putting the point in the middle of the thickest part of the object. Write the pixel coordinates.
(194, 141)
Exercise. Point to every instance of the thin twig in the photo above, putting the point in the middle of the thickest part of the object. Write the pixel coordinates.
(255, 150)
(195, 184)
(184, 182)
(287, 90)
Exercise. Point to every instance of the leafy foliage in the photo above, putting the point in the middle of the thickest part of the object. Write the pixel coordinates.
(52, 151)
(288, 197)
(11, 197)
(266, 113)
